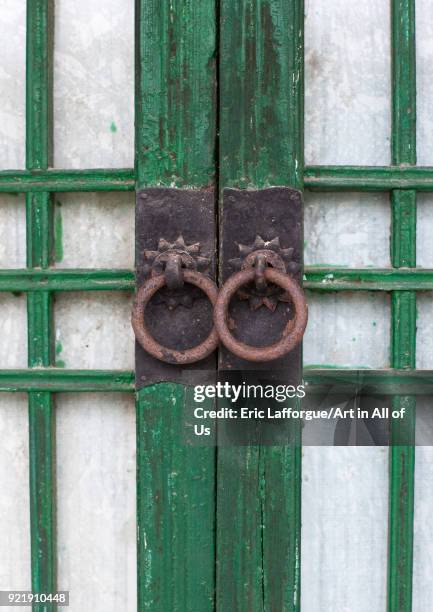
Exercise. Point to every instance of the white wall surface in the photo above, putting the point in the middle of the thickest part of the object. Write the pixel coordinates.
(347, 229)
(424, 60)
(13, 331)
(106, 230)
(12, 83)
(96, 501)
(12, 231)
(14, 498)
(93, 330)
(345, 490)
(344, 527)
(348, 82)
(14, 475)
(423, 532)
(347, 329)
(94, 84)
(423, 528)
(94, 126)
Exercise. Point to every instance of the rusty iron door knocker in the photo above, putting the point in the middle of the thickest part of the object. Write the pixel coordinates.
(172, 315)
(292, 333)
(143, 335)
(261, 312)
(261, 266)
(171, 266)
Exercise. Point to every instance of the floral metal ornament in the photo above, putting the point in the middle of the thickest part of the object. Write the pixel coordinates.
(260, 254)
(170, 259)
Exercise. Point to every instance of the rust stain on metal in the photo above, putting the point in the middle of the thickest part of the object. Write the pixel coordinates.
(175, 233)
(293, 331)
(259, 255)
(144, 337)
(261, 230)
(171, 259)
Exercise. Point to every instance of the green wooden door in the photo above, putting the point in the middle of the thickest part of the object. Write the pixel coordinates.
(218, 529)
(219, 103)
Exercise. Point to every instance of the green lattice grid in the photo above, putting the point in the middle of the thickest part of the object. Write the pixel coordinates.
(402, 179)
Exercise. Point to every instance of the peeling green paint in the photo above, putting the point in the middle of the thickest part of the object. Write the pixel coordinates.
(261, 127)
(109, 179)
(403, 308)
(113, 127)
(58, 233)
(59, 362)
(39, 224)
(175, 145)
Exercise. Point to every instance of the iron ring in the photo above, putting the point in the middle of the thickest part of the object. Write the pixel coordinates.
(292, 333)
(146, 340)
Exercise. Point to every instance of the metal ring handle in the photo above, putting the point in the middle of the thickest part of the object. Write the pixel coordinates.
(293, 331)
(150, 345)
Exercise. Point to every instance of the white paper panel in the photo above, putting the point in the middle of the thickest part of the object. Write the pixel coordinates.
(12, 83)
(349, 229)
(93, 330)
(424, 61)
(95, 230)
(423, 526)
(13, 331)
(347, 122)
(424, 230)
(424, 422)
(94, 84)
(348, 329)
(12, 231)
(347, 82)
(94, 127)
(344, 529)
(424, 331)
(14, 498)
(96, 501)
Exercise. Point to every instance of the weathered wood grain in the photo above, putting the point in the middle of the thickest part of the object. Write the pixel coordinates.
(175, 146)
(261, 87)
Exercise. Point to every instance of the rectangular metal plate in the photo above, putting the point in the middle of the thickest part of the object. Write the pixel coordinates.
(268, 213)
(170, 213)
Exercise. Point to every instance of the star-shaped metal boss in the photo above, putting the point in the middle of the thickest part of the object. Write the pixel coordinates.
(276, 257)
(155, 263)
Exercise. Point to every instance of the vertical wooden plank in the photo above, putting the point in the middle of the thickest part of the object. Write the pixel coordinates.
(261, 93)
(42, 496)
(403, 254)
(40, 340)
(261, 144)
(176, 506)
(175, 94)
(175, 146)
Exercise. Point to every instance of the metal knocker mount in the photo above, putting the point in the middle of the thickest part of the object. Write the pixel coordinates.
(261, 255)
(176, 290)
(172, 265)
(264, 280)
(261, 312)
(172, 260)
(261, 262)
